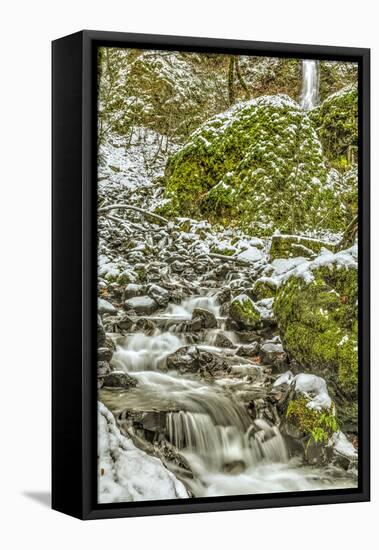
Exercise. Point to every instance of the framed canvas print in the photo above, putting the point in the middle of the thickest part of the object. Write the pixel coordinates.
(210, 274)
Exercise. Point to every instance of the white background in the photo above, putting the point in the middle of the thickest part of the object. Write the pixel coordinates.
(27, 29)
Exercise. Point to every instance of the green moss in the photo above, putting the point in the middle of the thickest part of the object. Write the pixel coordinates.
(318, 425)
(141, 274)
(225, 250)
(258, 166)
(263, 289)
(336, 121)
(244, 312)
(318, 324)
(289, 246)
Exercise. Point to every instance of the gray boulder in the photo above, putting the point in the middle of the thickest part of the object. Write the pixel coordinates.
(142, 305)
(119, 379)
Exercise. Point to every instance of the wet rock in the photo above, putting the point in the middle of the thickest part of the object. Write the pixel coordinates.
(104, 354)
(195, 325)
(146, 325)
(207, 318)
(183, 360)
(234, 467)
(142, 305)
(154, 421)
(272, 353)
(124, 324)
(222, 341)
(223, 296)
(248, 350)
(159, 294)
(196, 360)
(103, 368)
(244, 313)
(224, 309)
(119, 379)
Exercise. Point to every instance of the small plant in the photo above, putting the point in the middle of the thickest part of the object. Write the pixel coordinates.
(318, 425)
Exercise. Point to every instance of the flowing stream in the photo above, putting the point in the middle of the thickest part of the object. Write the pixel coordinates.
(310, 89)
(227, 452)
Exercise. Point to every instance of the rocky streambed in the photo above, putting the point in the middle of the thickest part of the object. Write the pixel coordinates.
(192, 362)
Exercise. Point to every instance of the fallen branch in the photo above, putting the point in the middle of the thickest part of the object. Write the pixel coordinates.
(106, 209)
(229, 258)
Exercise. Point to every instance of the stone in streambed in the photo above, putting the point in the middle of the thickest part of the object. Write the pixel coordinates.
(104, 354)
(223, 296)
(119, 379)
(222, 341)
(248, 350)
(272, 353)
(145, 325)
(183, 360)
(207, 318)
(196, 360)
(142, 305)
(123, 324)
(159, 294)
(103, 368)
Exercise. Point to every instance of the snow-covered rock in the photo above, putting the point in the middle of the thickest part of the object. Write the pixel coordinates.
(311, 385)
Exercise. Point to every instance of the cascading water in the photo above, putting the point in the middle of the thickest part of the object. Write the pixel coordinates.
(187, 307)
(227, 452)
(310, 88)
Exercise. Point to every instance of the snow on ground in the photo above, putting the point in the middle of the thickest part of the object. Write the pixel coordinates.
(127, 474)
(251, 254)
(134, 165)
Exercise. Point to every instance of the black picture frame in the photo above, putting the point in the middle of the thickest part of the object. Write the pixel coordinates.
(74, 412)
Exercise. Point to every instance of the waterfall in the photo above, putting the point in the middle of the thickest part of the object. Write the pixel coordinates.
(187, 307)
(309, 93)
(225, 448)
(141, 352)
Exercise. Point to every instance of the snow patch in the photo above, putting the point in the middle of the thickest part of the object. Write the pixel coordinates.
(311, 386)
(127, 474)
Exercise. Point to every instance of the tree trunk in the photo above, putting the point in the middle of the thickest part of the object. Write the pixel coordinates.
(231, 95)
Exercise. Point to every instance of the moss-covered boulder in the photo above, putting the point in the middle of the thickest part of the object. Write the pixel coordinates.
(336, 122)
(258, 165)
(292, 246)
(262, 289)
(317, 315)
(245, 313)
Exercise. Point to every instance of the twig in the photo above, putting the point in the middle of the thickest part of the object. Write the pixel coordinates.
(106, 209)
(229, 258)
